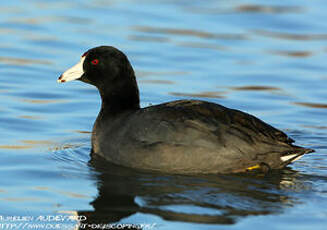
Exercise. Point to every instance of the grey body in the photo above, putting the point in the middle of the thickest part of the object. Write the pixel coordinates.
(177, 137)
(190, 137)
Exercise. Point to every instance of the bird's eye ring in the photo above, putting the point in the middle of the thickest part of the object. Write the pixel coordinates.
(95, 61)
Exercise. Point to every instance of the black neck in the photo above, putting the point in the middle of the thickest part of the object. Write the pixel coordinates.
(119, 100)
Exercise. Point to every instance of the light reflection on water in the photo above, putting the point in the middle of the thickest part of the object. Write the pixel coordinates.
(267, 59)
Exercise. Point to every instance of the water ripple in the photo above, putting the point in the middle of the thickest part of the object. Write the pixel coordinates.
(265, 58)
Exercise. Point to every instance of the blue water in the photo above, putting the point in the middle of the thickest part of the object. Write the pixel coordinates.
(267, 58)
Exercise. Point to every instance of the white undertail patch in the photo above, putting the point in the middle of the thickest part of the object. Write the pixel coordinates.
(288, 157)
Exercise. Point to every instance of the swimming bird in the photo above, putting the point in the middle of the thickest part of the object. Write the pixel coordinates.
(183, 136)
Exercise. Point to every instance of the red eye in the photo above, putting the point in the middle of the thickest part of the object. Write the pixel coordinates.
(95, 61)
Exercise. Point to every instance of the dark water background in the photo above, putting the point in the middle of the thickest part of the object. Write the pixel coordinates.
(267, 58)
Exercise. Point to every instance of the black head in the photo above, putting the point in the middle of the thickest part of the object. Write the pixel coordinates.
(109, 70)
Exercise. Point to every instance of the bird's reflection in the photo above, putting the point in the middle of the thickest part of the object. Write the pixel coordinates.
(210, 199)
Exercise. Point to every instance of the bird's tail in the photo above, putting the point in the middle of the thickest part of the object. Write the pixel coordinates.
(294, 155)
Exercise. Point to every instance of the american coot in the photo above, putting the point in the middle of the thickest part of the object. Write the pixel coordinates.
(184, 136)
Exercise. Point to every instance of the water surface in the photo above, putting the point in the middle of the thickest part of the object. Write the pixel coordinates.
(265, 58)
